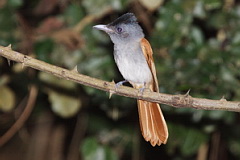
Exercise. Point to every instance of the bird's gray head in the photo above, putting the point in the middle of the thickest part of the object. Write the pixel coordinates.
(123, 30)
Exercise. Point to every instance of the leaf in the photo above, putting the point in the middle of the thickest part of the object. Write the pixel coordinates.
(110, 154)
(212, 4)
(43, 49)
(63, 105)
(4, 80)
(92, 150)
(151, 4)
(89, 148)
(192, 141)
(235, 148)
(101, 6)
(73, 14)
(197, 36)
(199, 10)
(188, 140)
(15, 3)
(236, 38)
(96, 124)
(227, 75)
(7, 99)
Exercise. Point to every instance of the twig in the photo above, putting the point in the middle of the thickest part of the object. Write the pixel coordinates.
(90, 18)
(24, 116)
(78, 134)
(178, 101)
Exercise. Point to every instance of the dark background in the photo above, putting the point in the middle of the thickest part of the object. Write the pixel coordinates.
(196, 46)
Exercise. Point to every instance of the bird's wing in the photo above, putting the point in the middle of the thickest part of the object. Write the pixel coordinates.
(152, 122)
(148, 53)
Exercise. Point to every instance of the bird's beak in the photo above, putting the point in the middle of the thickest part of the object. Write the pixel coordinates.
(103, 28)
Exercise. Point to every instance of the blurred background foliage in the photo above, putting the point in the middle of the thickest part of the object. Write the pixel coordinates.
(196, 46)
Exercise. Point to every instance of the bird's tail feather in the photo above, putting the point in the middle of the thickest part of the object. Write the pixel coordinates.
(152, 122)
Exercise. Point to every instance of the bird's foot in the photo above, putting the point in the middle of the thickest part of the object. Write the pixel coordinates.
(141, 90)
(117, 85)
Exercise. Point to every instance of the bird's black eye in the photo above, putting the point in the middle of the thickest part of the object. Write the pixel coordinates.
(119, 29)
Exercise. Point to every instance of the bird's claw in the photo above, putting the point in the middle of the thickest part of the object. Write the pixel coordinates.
(141, 90)
(117, 85)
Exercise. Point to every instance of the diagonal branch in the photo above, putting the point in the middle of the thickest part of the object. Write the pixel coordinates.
(178, 101)
(24, 116)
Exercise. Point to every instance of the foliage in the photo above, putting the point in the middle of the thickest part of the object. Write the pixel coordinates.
(196, 46)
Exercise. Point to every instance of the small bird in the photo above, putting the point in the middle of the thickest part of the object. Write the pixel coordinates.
(133, 56)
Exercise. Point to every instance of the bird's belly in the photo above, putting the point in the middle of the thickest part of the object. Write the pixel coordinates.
(134, 70)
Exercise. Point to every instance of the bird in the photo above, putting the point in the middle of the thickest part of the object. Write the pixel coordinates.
(134, 58)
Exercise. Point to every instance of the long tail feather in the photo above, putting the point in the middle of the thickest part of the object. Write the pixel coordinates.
(152, 122)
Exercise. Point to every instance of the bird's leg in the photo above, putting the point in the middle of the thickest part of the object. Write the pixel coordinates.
(141, 90)
(117, 85)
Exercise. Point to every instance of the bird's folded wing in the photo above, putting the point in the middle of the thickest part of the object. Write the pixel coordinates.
(148, 53)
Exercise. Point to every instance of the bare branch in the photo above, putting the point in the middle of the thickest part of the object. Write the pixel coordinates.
(178, 101)
(24, 116)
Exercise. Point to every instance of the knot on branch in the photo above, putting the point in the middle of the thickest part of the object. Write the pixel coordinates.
(182, 101)
(25, 59)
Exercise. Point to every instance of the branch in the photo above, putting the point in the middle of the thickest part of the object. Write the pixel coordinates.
(177, 101)
(24, 116)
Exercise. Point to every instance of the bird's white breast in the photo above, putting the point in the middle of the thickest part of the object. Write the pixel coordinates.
(132, 64)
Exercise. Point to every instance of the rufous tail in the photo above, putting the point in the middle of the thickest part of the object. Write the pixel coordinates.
(152, 122)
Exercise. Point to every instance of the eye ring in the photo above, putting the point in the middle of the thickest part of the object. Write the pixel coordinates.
(119, 29)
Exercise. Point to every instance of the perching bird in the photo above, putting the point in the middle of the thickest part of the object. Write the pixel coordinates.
(133, 56)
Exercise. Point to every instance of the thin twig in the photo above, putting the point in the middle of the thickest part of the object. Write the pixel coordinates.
(178, 101)
(24, 116)
(77, 138)
(90, 18)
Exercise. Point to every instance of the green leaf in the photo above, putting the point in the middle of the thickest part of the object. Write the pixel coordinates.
(199, 10)
(235, 148)
(227, 75)
(15, 3)
(151, 4)
(92, 150)
(89, 148)
(101, 6)
(7, 99)
(212, 4)
(43, 49)
(187, 139)
(64, 105)
(110, 154)
(4, 79)
(97, 123)
(193, 140)
(73, 14)
(197, 36)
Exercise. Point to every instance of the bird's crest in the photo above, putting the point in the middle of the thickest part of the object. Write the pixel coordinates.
(125, 19)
